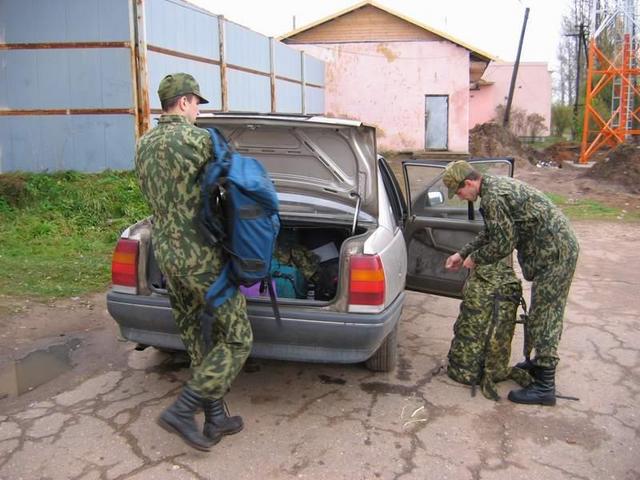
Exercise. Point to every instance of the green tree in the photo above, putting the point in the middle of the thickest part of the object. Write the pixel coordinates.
(561, 118)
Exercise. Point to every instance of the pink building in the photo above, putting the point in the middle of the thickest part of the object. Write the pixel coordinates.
(532, 92)
(410, 81)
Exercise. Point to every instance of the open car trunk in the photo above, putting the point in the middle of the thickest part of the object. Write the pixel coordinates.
(306, 265)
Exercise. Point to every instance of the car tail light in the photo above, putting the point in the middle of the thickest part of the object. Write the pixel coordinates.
(124, 266)
(366, 284)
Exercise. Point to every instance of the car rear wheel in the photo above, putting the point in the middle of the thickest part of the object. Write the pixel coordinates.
(386, 357)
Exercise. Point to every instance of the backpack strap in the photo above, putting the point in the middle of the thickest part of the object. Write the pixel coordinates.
(221, 290)
(209, 222)
(524, 320)
(273, 299)
(221, 148)
(495, 312)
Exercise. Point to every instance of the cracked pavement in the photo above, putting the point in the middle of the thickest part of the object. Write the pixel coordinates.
(97, 421)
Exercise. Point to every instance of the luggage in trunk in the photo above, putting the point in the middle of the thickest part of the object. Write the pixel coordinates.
(306, 265)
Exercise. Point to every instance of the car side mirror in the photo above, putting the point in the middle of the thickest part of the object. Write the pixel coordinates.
(435, 198)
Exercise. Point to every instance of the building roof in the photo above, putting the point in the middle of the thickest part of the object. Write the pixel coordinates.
(475, 52)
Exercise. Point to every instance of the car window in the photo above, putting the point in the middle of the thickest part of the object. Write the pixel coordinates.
(427, 192)
(392, 188)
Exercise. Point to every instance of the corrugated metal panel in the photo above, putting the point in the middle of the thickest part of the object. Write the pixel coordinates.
(66, 78)
(249, 92)
(288, 97)
(67, 94)
(208, 77)
(183, 28)
(49, 21)
(287, 62)
(87, 143)
(313, 70)
(68, 85)
(313, 100)
(183, 38)
(246, 48)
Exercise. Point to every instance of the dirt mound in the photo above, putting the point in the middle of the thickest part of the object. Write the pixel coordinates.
(562, 152)
(492, 140)
(621, 167)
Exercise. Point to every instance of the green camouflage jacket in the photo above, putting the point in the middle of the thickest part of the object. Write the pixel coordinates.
(517, 216)
(169, 160)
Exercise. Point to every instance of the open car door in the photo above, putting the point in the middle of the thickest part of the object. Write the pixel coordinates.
(437, 226)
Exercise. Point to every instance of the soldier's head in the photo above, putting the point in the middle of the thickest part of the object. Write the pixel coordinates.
(179, 94)
(463, 180)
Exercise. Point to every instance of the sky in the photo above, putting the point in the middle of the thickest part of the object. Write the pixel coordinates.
(493, 26)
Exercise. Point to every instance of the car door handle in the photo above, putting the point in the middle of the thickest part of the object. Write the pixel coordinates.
(435, 245)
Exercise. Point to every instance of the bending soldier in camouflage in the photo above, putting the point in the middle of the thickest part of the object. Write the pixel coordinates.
(169, 161)
(517, 216)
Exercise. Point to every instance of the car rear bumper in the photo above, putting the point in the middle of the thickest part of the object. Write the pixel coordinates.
(305, 333)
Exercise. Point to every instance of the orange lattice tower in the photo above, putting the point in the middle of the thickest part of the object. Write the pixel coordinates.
(619, 74)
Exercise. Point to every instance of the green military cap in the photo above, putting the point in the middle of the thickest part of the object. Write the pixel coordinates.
(177, 84)
(455, 173)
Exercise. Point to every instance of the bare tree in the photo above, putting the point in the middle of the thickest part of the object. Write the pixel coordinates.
(522, 124)
(535, 125)
(574, 22)
(565, 83)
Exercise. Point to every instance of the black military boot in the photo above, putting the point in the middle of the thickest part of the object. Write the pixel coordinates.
(179, 418)
(542, 391)
(527, 365)
(216, 420)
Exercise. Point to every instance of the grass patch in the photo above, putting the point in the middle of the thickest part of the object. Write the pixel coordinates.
(546, 142)
(587, 209)
(57, 231)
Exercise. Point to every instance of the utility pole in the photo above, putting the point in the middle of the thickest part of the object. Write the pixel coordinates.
(580, 37)
(514, 75)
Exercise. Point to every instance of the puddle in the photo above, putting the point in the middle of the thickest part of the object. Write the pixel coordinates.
(36, 368)
(387, 388)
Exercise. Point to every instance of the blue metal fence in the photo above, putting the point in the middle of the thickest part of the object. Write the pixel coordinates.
(66, 100)
(78, 79)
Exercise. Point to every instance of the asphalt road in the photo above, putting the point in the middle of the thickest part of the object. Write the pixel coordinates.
(97, 420)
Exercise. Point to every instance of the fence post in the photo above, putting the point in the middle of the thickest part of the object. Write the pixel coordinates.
(302, 83)
(224, 100)
(140, 76)
(272, 72)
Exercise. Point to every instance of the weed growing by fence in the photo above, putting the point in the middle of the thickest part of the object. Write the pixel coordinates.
(57, 231)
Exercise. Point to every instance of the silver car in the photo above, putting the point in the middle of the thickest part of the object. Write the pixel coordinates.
(341, 200)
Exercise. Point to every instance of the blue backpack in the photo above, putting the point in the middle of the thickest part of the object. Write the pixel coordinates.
(251, 221)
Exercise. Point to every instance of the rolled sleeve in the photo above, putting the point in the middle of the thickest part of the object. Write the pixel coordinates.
(474, 244)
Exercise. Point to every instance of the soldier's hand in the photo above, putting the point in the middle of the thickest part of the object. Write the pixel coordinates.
(454, 262)
(469, 263)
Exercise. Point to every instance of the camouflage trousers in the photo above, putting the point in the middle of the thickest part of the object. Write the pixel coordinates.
(549, 293)
(481, 347)
(215, 369)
